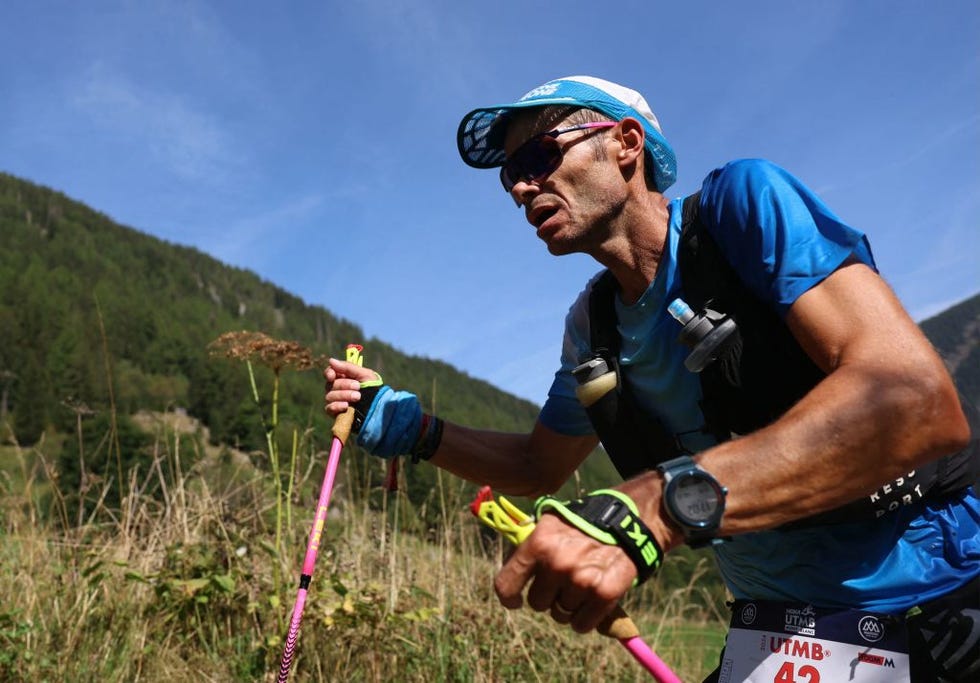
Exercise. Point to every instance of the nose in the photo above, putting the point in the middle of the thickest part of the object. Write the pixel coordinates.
(523, 190)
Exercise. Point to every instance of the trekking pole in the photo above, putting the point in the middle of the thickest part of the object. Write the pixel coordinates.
(515, 526)
(341, 431)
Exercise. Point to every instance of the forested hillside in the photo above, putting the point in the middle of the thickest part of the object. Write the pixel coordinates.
(98, 320)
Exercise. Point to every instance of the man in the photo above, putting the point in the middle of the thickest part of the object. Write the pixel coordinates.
(587, 162)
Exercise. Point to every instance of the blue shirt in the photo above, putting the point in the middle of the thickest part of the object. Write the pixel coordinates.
(781, 240)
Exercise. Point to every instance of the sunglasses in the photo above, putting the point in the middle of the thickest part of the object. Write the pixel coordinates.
(539, 156)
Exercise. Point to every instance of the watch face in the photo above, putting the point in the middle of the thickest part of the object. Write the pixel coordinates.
(696, 499)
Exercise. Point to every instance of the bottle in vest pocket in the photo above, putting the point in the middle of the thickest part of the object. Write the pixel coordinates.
(708, 334)
(595, 379)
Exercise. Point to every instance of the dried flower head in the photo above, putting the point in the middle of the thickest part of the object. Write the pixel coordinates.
(261, 348)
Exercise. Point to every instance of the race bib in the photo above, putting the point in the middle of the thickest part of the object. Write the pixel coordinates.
(786, 642)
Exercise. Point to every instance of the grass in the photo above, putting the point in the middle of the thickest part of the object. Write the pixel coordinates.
(181, 586)
(192, 574)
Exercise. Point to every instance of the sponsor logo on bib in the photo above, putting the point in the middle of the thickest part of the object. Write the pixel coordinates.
(871, 629)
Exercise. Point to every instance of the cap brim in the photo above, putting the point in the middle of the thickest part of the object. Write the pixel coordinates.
(481, 134)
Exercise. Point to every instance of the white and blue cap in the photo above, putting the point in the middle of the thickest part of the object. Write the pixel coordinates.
(481, 133)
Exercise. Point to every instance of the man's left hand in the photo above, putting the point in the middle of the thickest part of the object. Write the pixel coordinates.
(577, 578)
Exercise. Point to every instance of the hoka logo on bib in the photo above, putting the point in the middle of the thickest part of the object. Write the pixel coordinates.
(802, 621)
(871, 629)
(541, 91)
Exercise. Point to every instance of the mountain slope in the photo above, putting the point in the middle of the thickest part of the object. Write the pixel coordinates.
(74, 284)
(956, 335)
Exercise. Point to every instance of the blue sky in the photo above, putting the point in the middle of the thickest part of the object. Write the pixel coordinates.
(314, 142)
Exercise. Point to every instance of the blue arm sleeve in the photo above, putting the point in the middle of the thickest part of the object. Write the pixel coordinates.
(392, 424)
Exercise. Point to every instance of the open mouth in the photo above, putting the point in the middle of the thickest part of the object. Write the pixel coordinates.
(540, 217)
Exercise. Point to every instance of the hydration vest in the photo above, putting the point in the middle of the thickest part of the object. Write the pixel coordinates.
(757, 374)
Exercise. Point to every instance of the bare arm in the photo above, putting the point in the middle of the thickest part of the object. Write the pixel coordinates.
(516, 464)
(886, 407)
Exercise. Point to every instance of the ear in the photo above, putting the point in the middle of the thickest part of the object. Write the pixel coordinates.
(630, 136)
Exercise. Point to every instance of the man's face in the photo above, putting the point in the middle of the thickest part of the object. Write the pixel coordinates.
(570, 208)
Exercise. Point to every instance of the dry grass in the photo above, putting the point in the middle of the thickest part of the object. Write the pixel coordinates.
(181, 586)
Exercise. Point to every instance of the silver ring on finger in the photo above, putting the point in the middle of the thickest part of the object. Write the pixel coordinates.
(557, 606)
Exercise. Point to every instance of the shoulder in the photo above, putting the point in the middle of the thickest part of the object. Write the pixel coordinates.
(742, 185)
(777, 234)
(748, 168)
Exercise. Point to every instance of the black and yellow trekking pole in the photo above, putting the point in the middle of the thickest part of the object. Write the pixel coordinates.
(516, 526)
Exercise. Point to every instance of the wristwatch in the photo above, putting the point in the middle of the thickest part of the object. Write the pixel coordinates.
(693, 499)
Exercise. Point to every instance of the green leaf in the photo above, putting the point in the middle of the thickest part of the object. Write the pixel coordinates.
(136, 576)
(225, 582)
(91, 568)
(189, 586)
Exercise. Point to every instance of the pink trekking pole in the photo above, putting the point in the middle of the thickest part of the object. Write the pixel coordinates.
(515, 526)
(341, 431)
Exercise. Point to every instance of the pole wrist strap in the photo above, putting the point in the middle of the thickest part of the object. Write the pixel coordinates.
(610, 517)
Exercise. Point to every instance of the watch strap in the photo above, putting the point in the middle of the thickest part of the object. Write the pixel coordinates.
(610, 517)
(681, 462)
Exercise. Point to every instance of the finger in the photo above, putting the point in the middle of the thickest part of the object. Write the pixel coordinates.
(560, 613)
(350, 370)
(513, 576)
(606, 588)
(336, 408)
(344, 390)
(590, 614)
(341, 394)
(544, 591)
(571, 596)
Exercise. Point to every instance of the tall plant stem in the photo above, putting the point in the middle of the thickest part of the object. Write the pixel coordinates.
(114, 443)
(289, 488)
(272, 444)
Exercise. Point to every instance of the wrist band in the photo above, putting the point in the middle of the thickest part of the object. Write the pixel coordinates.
(610, 517)
(391, 424)
(369, 391)
(430, 436)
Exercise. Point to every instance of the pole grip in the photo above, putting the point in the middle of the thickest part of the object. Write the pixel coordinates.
(618, 625)
(343, 424)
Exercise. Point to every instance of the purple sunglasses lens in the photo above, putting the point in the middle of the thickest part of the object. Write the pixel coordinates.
(539, 156)
(536, 158)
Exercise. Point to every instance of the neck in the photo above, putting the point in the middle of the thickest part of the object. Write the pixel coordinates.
(635, 246)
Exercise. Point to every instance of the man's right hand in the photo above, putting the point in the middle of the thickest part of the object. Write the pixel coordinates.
(388, 423)
(344, 382)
